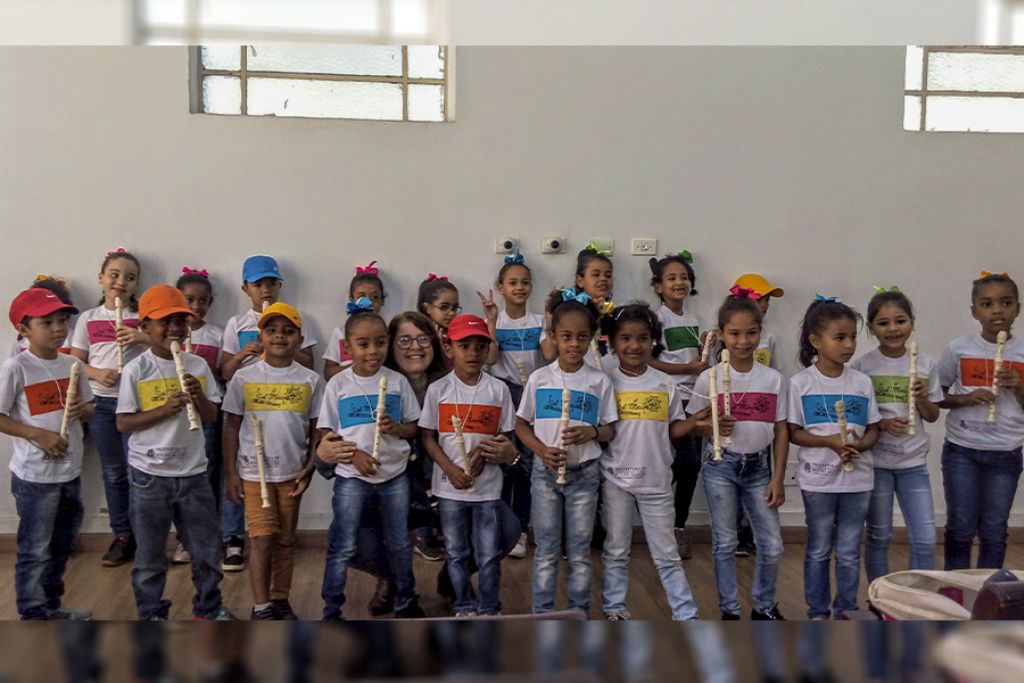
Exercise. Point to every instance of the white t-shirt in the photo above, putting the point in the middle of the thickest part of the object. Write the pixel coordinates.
(20, 345)
(336, 351)
(518, 339)
(812, 398)
(969, 364)
(96, 333)
(680, 336)
(486, 410)
(592, 403)
(285, 400)
(206, 343)
(242, 329)
(168, 448)
(33, 391)
(350, 409)
(757, 399)
(639, 458)
(892, 384)
(765, 351)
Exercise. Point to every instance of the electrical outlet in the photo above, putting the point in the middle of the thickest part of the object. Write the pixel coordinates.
(603, 244)
(552, 245)
(505, 245)
(640, 246)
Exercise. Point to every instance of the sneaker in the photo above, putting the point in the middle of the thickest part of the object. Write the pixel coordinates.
(411, 611)
(222, 614)
(622, 615)
(283, 610)
(262, 614)
(383, 600)
(771, 615)
(744, 550)
(69, 614)
(726, 616)
(121, 550)
(685, 551)
(519, 552)
(465, 615)
(181, 555)
(233, 560)
(427, 548)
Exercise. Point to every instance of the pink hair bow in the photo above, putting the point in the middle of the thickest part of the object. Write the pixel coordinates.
(201, 273)
(744, 293)
(369, 269)
(119, 250)
(431, 277)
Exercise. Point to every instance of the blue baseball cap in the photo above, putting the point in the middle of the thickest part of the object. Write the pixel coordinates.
(258, 267)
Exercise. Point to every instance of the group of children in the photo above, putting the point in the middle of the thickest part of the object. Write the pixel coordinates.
(587, 412)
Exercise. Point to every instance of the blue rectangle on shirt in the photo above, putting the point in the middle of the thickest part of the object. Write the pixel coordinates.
(582, 406)
(360, 410)
(246, 336)
(821, 409)
(519, 339)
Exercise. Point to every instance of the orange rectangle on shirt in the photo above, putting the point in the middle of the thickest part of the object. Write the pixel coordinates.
(475, 419)
(977, 372)
(46, 397)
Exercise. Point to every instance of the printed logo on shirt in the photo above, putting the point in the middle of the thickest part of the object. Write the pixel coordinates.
(207, 353)
(683, 337)
(893, 388)
(278, 396)
(821, 409)
(46, 397)
(519, 339)
(246, 336)
(641, 405)
(629, 473)
(763, 356)
(153, 393)
(100, 331)
(979, 426)
(476, 419)
(755, 406)
(978, 372)
(582, 406)
(167, 453)
(362, 410)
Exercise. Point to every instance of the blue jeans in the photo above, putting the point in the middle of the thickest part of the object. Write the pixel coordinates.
(187, 502)
(914, 489)
(472, 535)
(232, 515)
(113, 448)
(350, 499)
(577, 503)
(834, 522)
(877, 641)
(657, 513)
(49, 517)
(979, 486)
(741, 479)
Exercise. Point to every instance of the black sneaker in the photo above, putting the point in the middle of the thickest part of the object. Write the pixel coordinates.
(234, 560)
(427, 548)
(121, 550)
(411, 611)
(263, 614)
(283, 610)
(745, 549)
(726, 616)
(383, 600)
(771, 615)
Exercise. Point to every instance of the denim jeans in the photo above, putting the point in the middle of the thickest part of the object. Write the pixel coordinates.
(979, 486)
(232, 515)
(350, 499)
(515, 489)
(113, 448)
(49, 517)
(472, 535)
(657, 513)
(913, 488)
(740, 480)
(685, 473)
(877, 641)
(576, 502)
(187, 502)
(834, 522)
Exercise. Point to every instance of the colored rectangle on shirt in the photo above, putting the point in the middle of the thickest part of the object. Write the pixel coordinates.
(642, 405)
(582, 406)
(519, 339)
(207, 353)
(280, 396)
(362, 410)
(476, 419)
(100, 331)
(246, 336)
(153, 393)
(343, 353)
(892, 388)
(821, 409)
(46, 397)
(763, 356)
(752, 406)
(978, 372)
(683, 337)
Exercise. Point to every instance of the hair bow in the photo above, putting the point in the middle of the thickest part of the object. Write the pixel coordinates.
(883, 290)
(592, 247)
(119, 250)
(685, 255)
(985, 275)
(744, 293)
(360, 305)
(571, 295)
(201, 273)
(826, 299)
(516, 257)
(369, 269)
(432, 277)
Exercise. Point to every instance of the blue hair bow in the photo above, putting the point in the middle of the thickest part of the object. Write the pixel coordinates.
(571, 295)
(360, 305)
(825, 299)
(516, 257)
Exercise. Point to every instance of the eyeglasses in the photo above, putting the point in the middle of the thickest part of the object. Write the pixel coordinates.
(445, 308)
(405, 341)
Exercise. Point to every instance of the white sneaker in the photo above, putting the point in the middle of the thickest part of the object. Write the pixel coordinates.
(181, 555)
(519, 552)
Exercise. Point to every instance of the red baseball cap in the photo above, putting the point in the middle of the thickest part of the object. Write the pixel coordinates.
(36, 303)
(467, 325)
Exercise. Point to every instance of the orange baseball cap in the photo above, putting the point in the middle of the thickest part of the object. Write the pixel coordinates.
(284, 310)
(759, 285)
(160, 301)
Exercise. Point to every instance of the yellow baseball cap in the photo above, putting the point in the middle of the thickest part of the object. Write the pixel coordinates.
(759, 285)
(282, 309)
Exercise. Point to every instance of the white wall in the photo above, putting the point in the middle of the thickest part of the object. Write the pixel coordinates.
(788, 161)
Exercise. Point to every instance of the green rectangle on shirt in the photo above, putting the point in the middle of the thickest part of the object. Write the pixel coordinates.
(893, 388)
(684, 337)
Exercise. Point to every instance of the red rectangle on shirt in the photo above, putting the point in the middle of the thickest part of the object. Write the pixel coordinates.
(977, 372)
(46, 397)
(105, 330)
(476, 419)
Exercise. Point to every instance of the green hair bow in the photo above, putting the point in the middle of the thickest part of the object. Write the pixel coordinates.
(685, 255)
(593, 247)
(884, 290)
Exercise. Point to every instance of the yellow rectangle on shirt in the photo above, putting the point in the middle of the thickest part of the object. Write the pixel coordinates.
(642, 405)
(153, 393)
(763, 356)
(277, 396)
